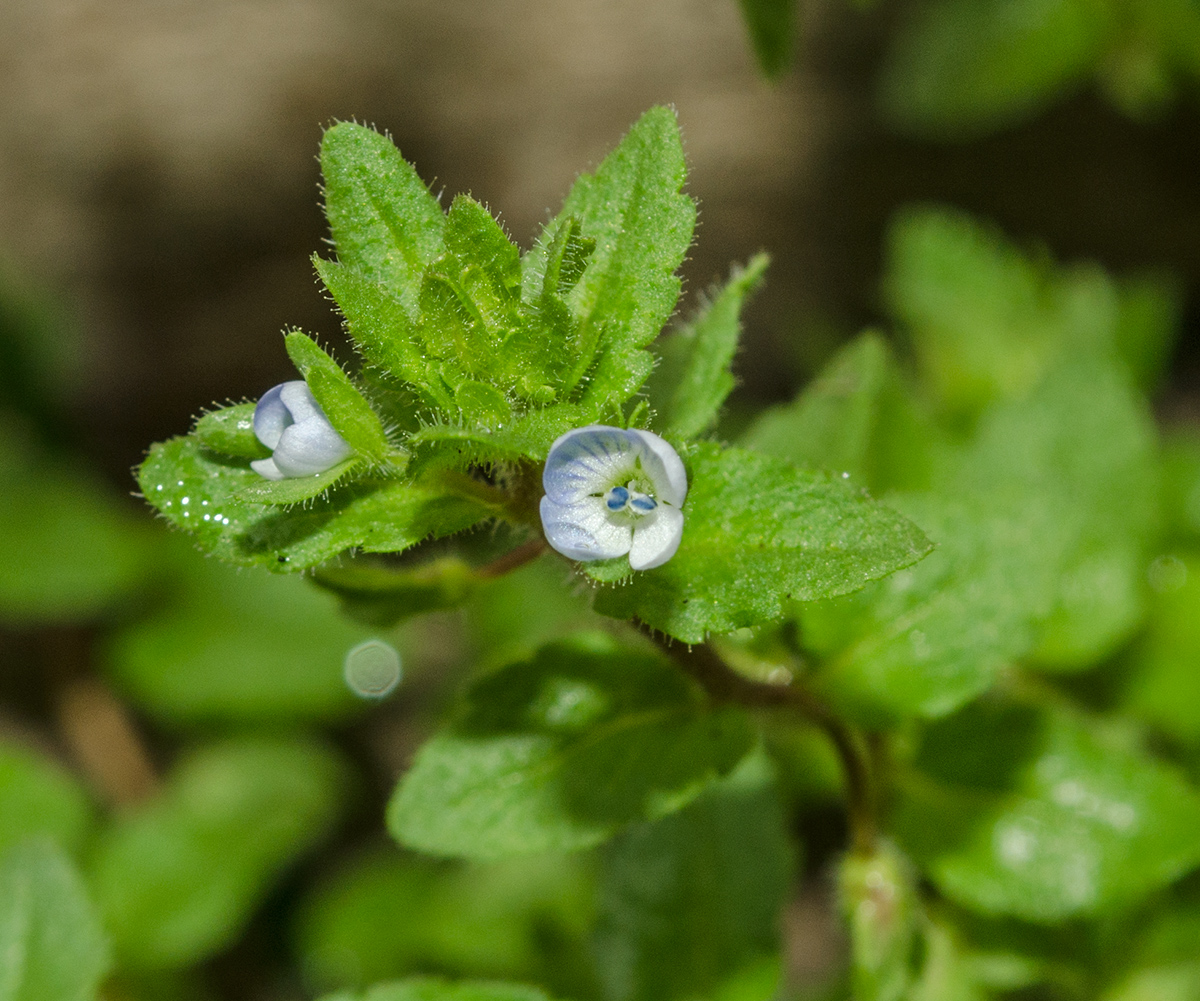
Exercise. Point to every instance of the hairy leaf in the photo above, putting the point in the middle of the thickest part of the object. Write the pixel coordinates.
(558, 753)
(207, 495)
(759, 533)
(702, 351)
(385, 223)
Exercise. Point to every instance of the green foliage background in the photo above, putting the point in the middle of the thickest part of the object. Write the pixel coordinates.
(926, 655)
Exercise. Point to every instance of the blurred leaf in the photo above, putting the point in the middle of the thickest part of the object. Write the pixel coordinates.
(1176, 982)
(959, 69)
(431, 989)
(384, 221)
(1181, 483)
(38, 797)
(880, 904)
(205, 494)
(690, 900)
(389, 914)
(512, 616)
(772, 27)
(1162, 685)
(178, 879)
(52, 948)
(1086, 443)
(986, 319)
(558, 753)
(383, 595)
(759, 533)
(237, 646)
(700, 354)
(349, 413)
(68, 550)
(858, 417)
(1044, 816)
(1150, 314)
(929, 638)
(230, 431)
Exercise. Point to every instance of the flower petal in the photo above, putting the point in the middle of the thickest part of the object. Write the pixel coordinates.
(267, 469)
(655, 542)
(663, 465)
(271, 416)
(582, 530)
(309, 447)
(299, 400)
(588, 461)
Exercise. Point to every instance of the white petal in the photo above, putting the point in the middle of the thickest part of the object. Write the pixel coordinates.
(655, 542)
(582, 531)
(299, 400)
(664, 467)
(271, 416)
(588, 461)
(267, 468)
(309, 447)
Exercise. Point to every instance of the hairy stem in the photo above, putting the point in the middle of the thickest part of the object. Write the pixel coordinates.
(514, 558)
(724, 684)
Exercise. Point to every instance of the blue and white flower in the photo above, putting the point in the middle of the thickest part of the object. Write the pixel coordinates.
(612, 492)
(290, 422)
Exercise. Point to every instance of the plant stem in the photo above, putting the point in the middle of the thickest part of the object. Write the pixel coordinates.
(514, 558)
(724, 684)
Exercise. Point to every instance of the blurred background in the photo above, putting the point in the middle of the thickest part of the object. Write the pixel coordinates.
(159, 204)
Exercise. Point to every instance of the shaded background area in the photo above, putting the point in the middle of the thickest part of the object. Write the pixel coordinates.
(157, 175)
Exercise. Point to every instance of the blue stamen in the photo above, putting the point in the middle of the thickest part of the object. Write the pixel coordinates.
(643, 503)
(616, 498)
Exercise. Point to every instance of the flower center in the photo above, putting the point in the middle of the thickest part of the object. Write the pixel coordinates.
(628, 499)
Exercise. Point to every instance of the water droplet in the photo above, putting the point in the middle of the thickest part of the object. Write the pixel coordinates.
(185, 500)
(372, 669)
(1167, 574)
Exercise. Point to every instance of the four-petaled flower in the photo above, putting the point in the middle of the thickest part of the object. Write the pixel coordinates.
(612, 491)
(290, 422)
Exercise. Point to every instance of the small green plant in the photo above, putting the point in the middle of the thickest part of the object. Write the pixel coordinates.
(948, 592)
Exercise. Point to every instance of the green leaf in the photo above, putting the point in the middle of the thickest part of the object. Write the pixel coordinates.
(230, 431)
(297, 489)
(772, 28)
(349, 413)
(207, 495)
(1181, 483)
(858, 416)
(389, 914)
(237, 646)
(690, 900)
(759, 533)
(383, 595)
(881, 906)
(384, 331)
(930, 638)
(385, 223)
(642, 225)
(178, 878)
(1150, 313)
(986, 319)
(1085, 442)
(1043, 815)
(68, 550)
(40, 798)
(52, 948)
(558, 753)
(434, 989)
(963, 68)
(703, 351)
(1161, 687)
